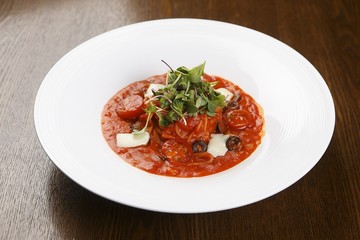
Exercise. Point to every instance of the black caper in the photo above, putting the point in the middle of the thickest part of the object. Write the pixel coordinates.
(232, 142)
(232, 105)
(199, 146)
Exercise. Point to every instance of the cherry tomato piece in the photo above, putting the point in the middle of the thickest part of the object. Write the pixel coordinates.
(237, 119)
(130, 107)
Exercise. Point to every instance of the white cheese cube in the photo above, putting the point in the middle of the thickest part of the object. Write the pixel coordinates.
(223, 91)
(155, 87)
(131, 139)
(217, 144)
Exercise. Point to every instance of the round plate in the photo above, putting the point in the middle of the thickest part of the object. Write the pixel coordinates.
(298, 108)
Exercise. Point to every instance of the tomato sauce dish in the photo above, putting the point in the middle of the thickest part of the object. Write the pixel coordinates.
(182, 124)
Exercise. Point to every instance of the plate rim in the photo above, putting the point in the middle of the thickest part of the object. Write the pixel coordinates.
(173, 20)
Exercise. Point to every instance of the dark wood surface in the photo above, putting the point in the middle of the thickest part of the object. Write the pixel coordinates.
(37, 201)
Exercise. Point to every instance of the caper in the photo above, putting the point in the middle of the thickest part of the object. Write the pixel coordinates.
(199, 146)
(232, 142)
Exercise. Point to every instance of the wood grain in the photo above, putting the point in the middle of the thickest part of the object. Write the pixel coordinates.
(37, 201)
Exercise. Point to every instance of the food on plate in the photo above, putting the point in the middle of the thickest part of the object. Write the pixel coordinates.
(184, 123)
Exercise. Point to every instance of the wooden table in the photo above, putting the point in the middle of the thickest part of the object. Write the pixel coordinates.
(37, 201)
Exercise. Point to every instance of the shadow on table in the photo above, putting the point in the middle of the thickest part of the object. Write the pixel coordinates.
(77, 213)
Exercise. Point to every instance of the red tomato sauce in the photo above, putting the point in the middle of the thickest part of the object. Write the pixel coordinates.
(169, 151)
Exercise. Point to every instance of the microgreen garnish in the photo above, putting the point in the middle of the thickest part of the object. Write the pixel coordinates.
(185, 94)
(150, 110)
(167, 65)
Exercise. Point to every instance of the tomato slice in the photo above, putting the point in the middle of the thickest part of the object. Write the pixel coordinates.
(130, 107)
(175, 152)
(237, 119)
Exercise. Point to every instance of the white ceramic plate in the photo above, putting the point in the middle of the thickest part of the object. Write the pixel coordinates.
(298, 106)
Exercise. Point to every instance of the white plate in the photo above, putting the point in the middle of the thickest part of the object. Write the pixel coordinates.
(299, 112)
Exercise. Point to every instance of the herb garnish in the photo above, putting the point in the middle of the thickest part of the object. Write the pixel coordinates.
(185, 94)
